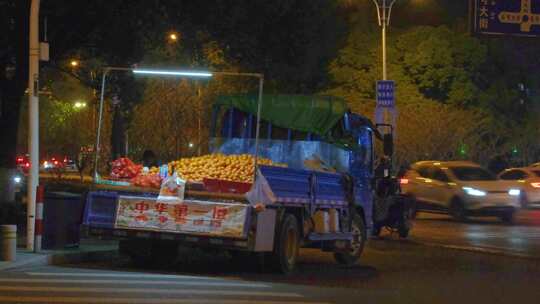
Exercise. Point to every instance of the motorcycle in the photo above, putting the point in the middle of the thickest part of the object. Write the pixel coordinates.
(391, 209)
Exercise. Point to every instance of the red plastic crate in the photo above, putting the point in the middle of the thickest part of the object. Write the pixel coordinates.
(223, 186)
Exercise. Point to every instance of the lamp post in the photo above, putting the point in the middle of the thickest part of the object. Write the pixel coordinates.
(382, 111)
(179, 73)
(384, 10)
(33, 123)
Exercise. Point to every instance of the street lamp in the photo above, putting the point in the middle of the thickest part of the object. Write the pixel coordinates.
(384, 10)
(74, 63)
(173, 37)
(180, 73)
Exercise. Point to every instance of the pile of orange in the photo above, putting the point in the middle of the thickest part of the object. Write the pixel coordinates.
(238, 168)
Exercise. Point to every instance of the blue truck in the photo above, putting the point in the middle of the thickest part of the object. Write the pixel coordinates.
(323, 198)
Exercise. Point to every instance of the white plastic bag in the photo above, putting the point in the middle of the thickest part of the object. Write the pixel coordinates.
(172, 189)
(260, 192)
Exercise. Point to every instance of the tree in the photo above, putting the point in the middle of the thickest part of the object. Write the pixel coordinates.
(180, 104)
(64, 127)
(434, 69)
(13, 73)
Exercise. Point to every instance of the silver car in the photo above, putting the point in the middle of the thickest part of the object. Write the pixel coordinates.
(528, 179)
(462, 189)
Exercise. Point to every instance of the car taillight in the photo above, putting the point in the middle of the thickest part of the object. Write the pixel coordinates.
(535, 185)
(19, 159)
(403, 181)
(56, 162)
(27, 165)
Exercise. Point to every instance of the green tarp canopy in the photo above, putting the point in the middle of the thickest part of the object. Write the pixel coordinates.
(312, 114)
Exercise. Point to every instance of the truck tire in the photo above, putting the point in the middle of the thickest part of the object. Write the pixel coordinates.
(359, 233)
(286, 245)
(406, 221)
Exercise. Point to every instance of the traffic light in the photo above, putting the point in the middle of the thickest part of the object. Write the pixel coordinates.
(463, 150)
(515, 150)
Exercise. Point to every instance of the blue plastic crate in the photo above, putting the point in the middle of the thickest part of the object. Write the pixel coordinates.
(100, 209)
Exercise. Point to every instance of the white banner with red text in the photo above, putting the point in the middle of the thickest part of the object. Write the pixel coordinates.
(189, 216)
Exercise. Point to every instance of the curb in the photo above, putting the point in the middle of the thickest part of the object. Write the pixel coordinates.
(480, 250)
(61, 258)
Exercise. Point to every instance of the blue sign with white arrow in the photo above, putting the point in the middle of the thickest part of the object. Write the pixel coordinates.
(513, 17)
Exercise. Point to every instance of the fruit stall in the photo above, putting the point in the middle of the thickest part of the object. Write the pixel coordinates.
(212, 173)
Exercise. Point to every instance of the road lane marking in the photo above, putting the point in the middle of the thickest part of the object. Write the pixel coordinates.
(91, 300)
(145, 282)
(152, 291)
(119, 275)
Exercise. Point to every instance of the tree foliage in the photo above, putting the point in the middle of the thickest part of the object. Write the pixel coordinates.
(444, 102)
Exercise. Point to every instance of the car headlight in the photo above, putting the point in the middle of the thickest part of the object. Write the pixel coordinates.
(514, 192)
(17, 179)
(474, 192)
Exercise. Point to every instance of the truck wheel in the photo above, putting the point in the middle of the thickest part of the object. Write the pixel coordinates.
(406, 221)
(357, 245)
(457, 210)
(286, 245)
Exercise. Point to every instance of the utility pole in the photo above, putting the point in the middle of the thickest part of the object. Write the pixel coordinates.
(33, 123)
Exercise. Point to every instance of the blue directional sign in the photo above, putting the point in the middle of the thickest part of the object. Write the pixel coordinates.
(513, 17)
(385, 94)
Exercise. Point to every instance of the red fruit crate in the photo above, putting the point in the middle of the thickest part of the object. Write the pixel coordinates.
(223, 186)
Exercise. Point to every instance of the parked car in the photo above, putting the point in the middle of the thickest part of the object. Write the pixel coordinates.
(528, 179)
(460, 188)
(535, 165)
(56, 163)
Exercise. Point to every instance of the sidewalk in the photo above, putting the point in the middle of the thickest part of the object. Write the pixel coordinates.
(88, 250)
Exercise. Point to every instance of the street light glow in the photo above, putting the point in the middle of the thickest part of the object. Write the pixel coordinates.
(174, 73)
(74, 63)
(79, 105)
(173, 37)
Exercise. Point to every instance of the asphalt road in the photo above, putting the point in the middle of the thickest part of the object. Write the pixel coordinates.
(391, 271)
(484, 234)
(479, 261)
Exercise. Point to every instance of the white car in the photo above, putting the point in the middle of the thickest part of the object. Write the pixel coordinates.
(528, 179)
(462, 189)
